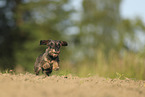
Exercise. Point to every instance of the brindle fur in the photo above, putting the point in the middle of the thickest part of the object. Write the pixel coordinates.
(49, 60)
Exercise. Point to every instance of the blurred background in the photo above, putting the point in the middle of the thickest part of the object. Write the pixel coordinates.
(102, 41)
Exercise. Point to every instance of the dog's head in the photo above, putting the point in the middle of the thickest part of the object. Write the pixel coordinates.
(53, 46)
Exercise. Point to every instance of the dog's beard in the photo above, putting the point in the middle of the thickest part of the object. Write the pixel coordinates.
(53, 55)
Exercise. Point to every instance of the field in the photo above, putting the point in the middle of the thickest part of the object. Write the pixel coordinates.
(29, 85)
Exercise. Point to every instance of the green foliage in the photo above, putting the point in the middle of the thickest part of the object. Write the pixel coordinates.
(119, 76)
(32, 21)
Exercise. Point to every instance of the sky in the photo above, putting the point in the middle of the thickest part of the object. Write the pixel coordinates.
(132, 9)
(128, 9)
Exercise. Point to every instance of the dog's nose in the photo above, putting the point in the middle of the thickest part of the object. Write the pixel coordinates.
(56, 51)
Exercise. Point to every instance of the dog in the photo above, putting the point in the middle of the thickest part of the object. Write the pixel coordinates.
(50, 59)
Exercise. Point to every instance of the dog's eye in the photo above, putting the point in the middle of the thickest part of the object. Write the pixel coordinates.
(51, 44)
(58, 46)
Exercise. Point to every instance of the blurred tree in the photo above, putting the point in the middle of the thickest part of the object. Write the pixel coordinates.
(23, 23)
(9, 34)
(101, 26)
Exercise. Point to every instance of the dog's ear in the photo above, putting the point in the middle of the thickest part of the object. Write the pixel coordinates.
(44, 42)
(64, 43)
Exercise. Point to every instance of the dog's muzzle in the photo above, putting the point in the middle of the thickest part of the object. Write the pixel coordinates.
(54, 53)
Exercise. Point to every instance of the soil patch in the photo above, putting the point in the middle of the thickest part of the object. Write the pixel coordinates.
(30, 85)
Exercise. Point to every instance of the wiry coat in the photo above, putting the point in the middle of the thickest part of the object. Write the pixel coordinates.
(49, 60)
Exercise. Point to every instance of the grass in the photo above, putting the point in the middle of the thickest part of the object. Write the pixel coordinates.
(120, 66)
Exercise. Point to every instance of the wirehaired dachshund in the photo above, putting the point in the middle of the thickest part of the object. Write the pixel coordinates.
(50, 59)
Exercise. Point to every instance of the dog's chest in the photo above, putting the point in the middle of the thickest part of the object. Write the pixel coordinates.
(47, 62)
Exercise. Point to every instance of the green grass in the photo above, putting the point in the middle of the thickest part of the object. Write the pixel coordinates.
(129, 65)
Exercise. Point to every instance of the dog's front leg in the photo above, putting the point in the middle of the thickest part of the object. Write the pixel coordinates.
(38, 70)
